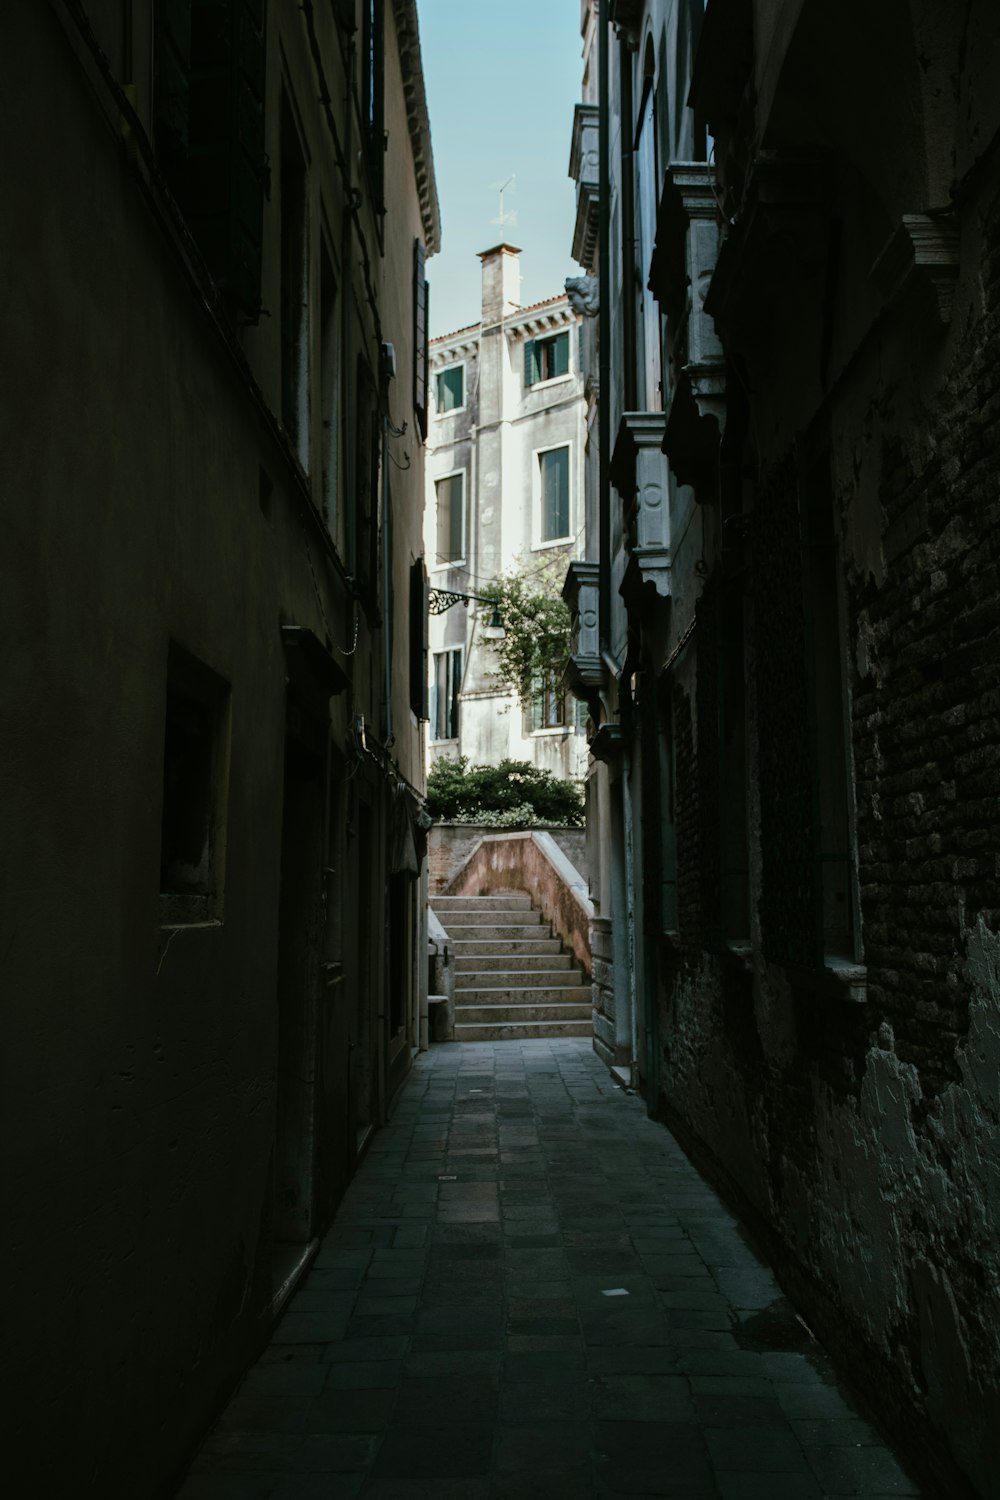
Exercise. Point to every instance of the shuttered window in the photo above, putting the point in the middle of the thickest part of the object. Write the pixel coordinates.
(209, 131)
(450, 493)
(421, 308)
(447, 684)
(546, 359)
(418, 638)
(554, 474)
(449, 389)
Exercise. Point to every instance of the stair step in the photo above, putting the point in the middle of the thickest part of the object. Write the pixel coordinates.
(465, 916)
(515, 1031)
(513, 901)
(502, 1014)
(536, 977)
(528, 995)
(497, 947)
(524, 963)
(460, 932)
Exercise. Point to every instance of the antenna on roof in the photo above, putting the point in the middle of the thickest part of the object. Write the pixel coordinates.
(510, 217)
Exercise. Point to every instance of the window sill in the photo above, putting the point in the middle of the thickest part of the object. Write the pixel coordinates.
(551, 730)
(556, 541)
(442, 567)
(544, 385)
(739, 954)
(840, 979)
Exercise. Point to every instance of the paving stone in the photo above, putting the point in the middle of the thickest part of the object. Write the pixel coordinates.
(453, 1340)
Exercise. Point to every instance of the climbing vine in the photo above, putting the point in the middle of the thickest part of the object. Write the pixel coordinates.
(536, 622)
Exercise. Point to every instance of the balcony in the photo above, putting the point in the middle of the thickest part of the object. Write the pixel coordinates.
(583, 168)
(640, 476)
(684, 261)
(584, 671)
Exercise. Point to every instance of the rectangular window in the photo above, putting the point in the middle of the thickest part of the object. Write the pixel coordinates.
(546, 359)
(645, 157)
(668, 815)
(329, 388)
(450, 494)
(734, 863)
(554, 489)
(447, 684)
(548, 703)
(372, 95)
(294, 288)
(449, 389)
(833, 810)
(363, 547)
(195, 773)
(208, 105)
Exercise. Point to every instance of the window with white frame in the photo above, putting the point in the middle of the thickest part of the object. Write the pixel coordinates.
(548, 702)
(450, 494)
(444, 694)
(449, 389)
(553, 490)
(546, 359)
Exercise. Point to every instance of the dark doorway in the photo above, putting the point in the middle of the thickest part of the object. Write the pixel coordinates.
(300, 931)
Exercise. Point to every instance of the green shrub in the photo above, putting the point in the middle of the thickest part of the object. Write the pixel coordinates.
(515, 791)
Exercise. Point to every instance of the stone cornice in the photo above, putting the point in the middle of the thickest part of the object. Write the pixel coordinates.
(408, 39)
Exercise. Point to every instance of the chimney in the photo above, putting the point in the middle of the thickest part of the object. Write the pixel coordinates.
(501, 282)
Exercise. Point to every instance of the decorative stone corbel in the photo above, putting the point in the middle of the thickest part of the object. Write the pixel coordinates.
(921, 251)
(640, 476)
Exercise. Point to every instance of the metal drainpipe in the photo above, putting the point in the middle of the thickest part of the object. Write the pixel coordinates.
(387, 631)
(633, 989)
(604, 329)
(346, 304)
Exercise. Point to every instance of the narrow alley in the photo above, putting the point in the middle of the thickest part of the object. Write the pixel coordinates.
(528, 1291)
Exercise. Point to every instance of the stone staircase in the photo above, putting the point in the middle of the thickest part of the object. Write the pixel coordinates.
(512, 978)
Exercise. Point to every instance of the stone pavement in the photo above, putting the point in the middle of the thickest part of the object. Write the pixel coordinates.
(530, 1292)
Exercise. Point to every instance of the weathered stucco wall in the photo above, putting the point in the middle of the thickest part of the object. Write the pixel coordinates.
(450, 844)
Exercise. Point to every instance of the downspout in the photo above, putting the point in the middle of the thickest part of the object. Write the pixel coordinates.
(387, 621)
(604, 331)
(346, 332)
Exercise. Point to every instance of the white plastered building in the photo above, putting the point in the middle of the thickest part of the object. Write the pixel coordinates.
(505, 453)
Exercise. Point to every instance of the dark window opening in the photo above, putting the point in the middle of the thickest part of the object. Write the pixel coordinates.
(546, 359)
(548, 702)
(833, 815)
(450, 493)
(194, 767)
(449, 389)
(447, 684)
(554, 470)
(418, 638)
(294, 288)
(208, 107)
(329, 375)
(668, 817)
(372, 98)
(734, 864)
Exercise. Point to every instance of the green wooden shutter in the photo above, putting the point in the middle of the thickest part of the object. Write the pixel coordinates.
(420, 337)
(530, 363)
(210, 59)
(172, 82)
(418, 638)
(560, 355)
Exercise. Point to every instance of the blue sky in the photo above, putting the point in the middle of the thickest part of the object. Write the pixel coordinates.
(501, 82)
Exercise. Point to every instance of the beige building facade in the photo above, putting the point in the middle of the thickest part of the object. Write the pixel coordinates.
(214, 243)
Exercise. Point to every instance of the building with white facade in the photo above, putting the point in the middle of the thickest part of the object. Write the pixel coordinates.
(504, 495)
